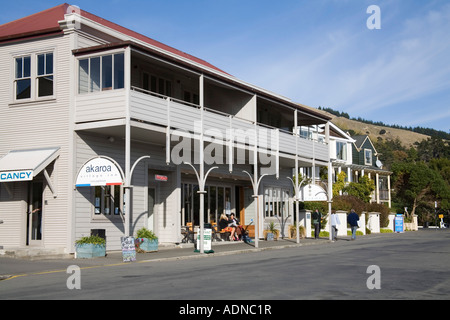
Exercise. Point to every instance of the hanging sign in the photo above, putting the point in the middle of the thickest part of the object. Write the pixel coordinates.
(99, 172)
(313, 192)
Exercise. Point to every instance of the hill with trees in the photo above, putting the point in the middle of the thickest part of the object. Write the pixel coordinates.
(419, 159)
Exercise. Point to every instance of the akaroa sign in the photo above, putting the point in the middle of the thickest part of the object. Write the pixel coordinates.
(313, 192)
(100, 171)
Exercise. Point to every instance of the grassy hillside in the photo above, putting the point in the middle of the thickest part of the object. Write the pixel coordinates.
(376, 132)
(379, 132)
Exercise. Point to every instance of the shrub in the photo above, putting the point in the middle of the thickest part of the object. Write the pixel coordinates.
(91, 240)
(383, 210)
(145, 233)
(346, 203)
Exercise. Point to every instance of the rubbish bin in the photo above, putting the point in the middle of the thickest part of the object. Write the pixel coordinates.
(425, 224)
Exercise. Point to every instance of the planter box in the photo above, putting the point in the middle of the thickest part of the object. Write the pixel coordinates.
(88, 250)
(270, 236)
(148, 245)
(293, 233)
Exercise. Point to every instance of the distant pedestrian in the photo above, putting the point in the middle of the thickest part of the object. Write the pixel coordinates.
(335, 222)
(316, 218)
(352, 220)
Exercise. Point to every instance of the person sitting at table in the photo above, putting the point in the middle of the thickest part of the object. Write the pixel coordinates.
(224, 224)
(233, 222)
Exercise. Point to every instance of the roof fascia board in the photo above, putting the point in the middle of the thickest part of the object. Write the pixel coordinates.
(341, 132)
(153, 56)
(119, 35)
(30, 35)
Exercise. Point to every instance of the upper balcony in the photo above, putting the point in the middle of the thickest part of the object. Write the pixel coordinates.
(129, 83)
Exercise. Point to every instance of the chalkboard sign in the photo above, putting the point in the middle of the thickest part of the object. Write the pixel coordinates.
(128, 249)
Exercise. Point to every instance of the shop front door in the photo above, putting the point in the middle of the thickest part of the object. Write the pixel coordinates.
(34, 221)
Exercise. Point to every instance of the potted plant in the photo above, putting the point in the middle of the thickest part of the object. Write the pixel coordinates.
(90, 247)
(146, 240)
(271, 233)
(293, 231)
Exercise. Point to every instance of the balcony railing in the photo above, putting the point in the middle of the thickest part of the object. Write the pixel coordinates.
(154, 108)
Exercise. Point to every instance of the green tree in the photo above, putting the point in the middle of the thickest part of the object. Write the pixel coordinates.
(417, 184)
(339, 184)
(361, 189)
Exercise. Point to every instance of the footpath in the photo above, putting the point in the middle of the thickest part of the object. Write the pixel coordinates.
(15, 265)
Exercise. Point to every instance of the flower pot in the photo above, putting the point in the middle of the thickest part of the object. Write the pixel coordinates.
(270, 236)
(147, 244)
(89, 250)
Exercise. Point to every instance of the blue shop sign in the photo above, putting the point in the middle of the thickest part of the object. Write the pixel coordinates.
(12, 176)
(398, 223)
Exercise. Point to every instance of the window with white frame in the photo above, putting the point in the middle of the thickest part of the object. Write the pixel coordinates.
(276, 202)
(33, 76)
(368, 157)
(108, 200)
(101, 73)
(22, 78)
(45, 75)
(341, 150)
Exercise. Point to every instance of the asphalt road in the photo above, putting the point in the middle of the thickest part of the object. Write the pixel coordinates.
(412, 265)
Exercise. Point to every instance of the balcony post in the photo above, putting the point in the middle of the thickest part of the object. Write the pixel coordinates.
(330, 181)
(127, 79)
(201, 177)
(378, 187)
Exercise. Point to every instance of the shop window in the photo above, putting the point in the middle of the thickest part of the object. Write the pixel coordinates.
(217, 201)
(108, 200)
(276, 202)
(102, 73)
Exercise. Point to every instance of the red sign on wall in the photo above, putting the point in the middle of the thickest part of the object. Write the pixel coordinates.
(159, 177)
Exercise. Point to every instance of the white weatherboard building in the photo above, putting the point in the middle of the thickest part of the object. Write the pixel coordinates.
(99, 123)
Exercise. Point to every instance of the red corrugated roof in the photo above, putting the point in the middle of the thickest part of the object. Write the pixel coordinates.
(37, 23)
(46, 22)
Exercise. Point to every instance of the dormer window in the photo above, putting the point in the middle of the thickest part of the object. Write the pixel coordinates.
(368, 157)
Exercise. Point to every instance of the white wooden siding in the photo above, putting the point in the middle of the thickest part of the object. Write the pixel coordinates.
(37, 125)
(100, 106)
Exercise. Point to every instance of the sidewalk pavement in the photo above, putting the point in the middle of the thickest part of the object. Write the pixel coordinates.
(13, 266)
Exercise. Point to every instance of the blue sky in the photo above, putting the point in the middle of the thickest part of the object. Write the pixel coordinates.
(315, 52)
